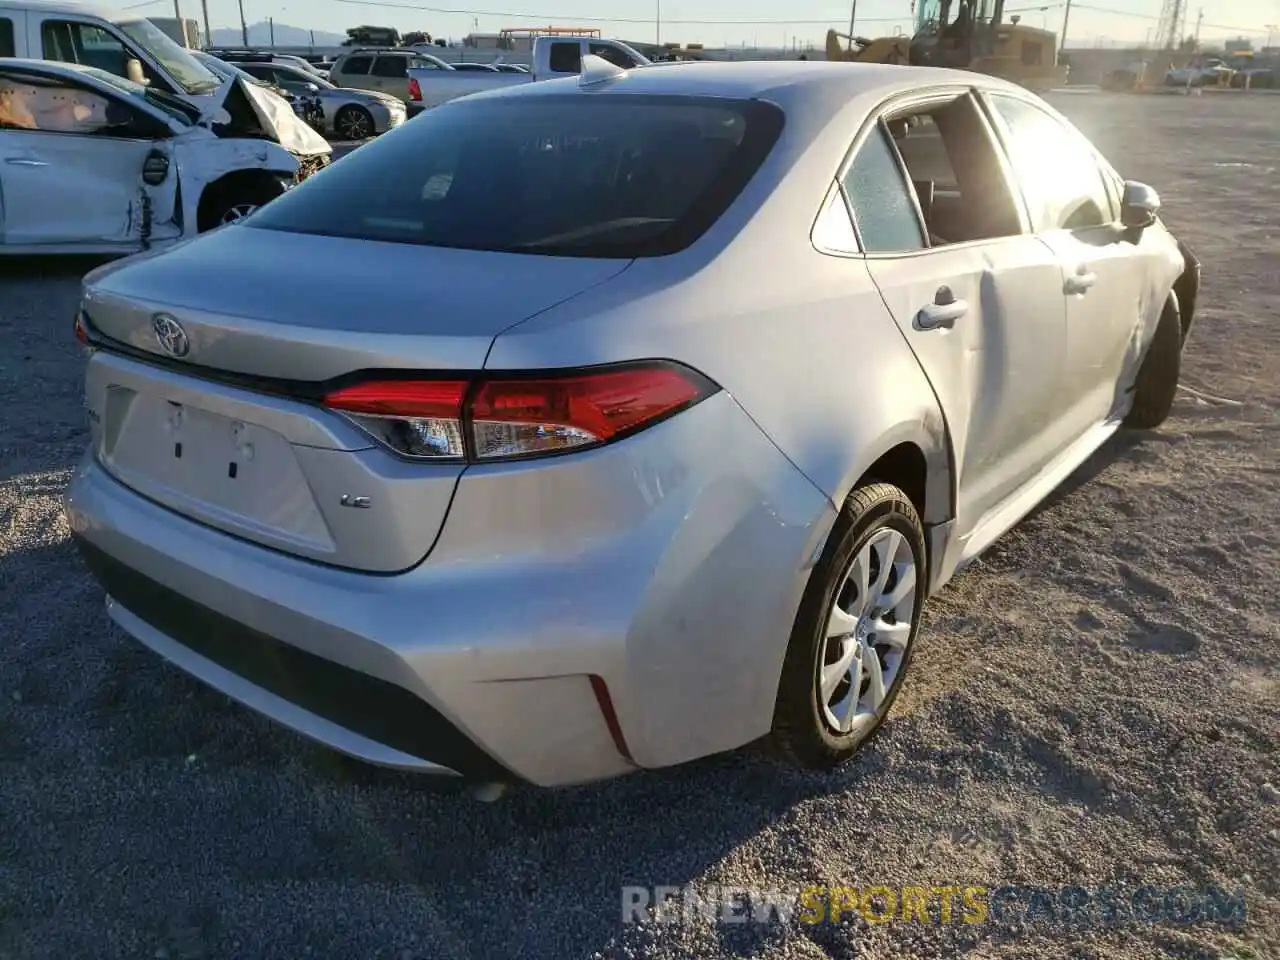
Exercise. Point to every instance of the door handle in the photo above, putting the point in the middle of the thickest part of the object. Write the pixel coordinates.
(25, 162)
(943, 313)
(1082, 282)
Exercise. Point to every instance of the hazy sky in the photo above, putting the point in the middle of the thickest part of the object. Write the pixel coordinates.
(774, 20)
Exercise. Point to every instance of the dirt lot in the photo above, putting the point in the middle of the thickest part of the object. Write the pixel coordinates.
(1093, 703)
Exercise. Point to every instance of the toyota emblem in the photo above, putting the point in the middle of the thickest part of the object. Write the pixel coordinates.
(170, 335)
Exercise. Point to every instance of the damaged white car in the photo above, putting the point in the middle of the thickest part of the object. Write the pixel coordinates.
(93, 163)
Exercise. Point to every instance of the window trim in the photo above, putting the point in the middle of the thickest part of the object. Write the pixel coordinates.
(1000, 127)
(878, 116)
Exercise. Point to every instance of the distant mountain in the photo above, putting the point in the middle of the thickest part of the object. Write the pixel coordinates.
(286, 36)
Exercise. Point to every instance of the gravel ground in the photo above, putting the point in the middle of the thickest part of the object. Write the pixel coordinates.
(1093, 703)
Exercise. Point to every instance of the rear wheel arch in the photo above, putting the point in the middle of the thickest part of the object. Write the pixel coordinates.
(915, 457)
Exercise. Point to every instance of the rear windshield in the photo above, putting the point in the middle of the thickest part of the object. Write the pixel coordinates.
(567, 175)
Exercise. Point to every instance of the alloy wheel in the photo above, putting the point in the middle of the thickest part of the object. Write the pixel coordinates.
(868, 630)
(354, 125)
(238, 212)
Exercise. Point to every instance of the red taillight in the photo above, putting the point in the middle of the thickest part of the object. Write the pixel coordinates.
(415, 418)
(520, 417)
(517, 416)
(415, 91)
(82, 330)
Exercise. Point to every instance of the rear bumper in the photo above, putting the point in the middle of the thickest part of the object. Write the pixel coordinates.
(627, 607)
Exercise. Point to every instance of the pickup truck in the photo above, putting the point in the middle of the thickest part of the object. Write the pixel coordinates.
(553, 57)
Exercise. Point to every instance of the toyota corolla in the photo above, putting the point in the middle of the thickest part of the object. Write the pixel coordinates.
(617, 421)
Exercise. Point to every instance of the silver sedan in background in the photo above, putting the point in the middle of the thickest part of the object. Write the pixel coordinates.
(348, 114)
(618, 424)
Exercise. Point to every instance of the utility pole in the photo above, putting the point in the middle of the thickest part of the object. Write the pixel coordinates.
(244, 27)
(208, 34)
(1199, 20)
(657, 22)
(853, 15)
(1066, 20)
(177, 11)
(271, 30)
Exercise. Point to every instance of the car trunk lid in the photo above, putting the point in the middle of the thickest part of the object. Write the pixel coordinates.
(230, 433)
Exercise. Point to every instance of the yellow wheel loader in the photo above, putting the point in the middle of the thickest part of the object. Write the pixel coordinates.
(964, 35)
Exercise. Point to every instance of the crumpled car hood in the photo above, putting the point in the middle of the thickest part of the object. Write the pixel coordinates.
(276, 117)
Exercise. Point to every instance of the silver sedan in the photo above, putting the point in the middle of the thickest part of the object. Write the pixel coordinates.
(348, 114)
(616, 425)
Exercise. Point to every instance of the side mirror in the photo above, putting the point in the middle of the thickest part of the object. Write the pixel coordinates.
(1140, 206)
(133, 70)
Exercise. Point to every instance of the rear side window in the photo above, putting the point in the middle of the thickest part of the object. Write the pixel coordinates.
(391, 67)
(356, 66)
(566, 58)
(7, 48)
(883, 207)
(612, 54)
(606, 176)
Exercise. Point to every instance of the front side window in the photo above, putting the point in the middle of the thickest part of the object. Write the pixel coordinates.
(176, 60)
(32, 103)
(883, 208)
(7, 47)
(607, 176)
(391, 67)
(1055, 167)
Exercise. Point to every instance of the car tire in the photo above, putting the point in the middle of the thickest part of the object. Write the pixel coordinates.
(810, 729)
(353, 123)
(233, 203)
(1157, 381)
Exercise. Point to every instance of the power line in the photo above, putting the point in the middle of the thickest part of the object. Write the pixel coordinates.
(558, 18)
(563, 18)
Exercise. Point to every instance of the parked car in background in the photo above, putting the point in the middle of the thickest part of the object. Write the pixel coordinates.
(553, 57)
(617, 424)
(304, 103)
(134, 48)
(93, 163)
(383, 71)
(347, 114)
(238, 55)
(474, 67)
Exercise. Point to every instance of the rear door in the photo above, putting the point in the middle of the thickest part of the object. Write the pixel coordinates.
(390, 74)
(1075, 214)
(971, 302)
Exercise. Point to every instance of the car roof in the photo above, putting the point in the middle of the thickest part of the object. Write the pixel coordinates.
(67, 6)
(51, 67)
(786, 82)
